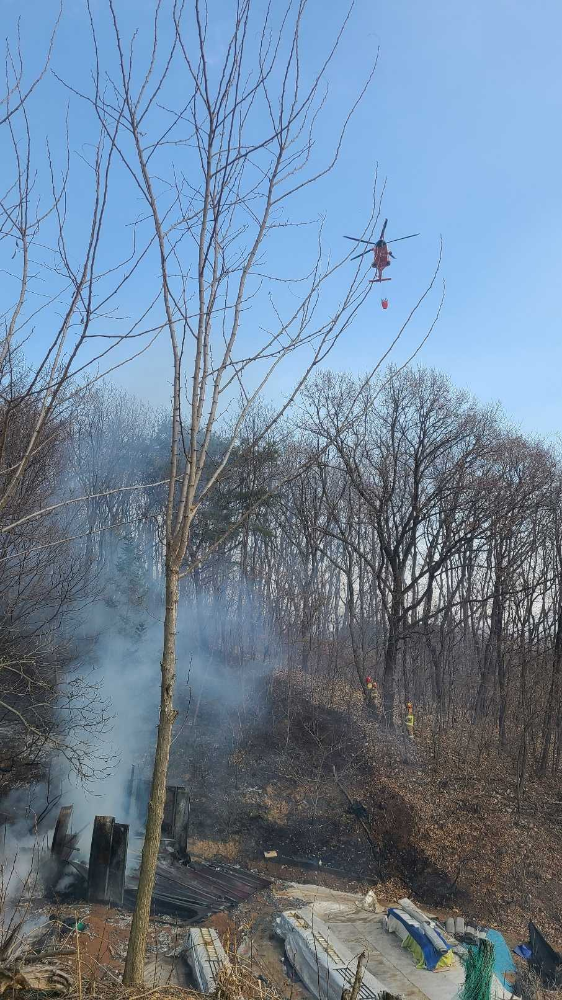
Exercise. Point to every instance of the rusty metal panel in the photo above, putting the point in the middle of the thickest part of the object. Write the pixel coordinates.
(199, 889)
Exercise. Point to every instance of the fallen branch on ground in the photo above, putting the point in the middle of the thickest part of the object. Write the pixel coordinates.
(24, 967)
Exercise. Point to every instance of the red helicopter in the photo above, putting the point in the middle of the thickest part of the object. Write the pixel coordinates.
(381, 254)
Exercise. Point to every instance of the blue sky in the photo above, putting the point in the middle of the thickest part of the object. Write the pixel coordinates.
(463, 119)
(470, 99)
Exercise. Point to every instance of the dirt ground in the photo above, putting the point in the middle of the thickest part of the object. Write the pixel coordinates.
(101, 946)
(443, 823)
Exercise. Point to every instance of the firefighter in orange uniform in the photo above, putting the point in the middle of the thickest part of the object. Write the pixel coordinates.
(410, 720)
(373, 692)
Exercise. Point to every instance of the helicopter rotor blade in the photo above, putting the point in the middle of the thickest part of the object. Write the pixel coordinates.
(356, 239)
(397, 240)
(362, 254)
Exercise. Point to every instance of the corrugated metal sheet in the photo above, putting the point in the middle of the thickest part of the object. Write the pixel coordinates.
(196, 891)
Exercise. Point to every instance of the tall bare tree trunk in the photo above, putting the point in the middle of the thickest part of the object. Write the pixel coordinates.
(389, 675)
(216, 266)
(134, 966)
(491, 654)
(552, 707)
(392, 648)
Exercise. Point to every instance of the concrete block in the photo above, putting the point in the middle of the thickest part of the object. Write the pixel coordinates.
(206, 957)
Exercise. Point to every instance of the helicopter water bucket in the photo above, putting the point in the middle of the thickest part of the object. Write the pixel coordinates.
(384, 303)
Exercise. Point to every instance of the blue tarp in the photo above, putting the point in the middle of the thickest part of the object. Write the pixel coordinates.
(430, 953)
(503, 961)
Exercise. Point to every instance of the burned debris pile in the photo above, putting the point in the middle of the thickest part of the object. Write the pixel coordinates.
(184, 887)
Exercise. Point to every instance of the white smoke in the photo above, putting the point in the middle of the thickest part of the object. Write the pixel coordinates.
(22, 849)
(124, 663)
(128, 679)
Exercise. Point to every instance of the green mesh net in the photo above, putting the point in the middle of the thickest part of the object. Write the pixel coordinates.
(478, 972)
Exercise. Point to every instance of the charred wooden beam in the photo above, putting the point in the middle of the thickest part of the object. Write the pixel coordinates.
(169, 811)
(100, 858)
(108, 861)
(131, 794)
(138, 797)
(175, 810)
(180, 831)
(118, 864)
(60, 846)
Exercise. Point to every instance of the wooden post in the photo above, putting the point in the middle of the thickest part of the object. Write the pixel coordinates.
(169, 811)
(131, 794)
(141, 799)
(60, 835)
(100, 858)
(174, 809)
(118, 864)
(353, 993)
(181, 820)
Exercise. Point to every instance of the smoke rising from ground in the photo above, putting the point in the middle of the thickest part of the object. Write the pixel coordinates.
(21, 851)
(224, 649)
(126, 671)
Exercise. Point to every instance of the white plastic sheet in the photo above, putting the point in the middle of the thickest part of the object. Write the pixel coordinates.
(324, 964)
(206, 956)
(394, 926)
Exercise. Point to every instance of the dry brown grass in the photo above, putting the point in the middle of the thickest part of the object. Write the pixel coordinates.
(530, 987)
(460, 790)
(103, 990)
(239, 983)
(230, 849)
(236, 984)
(276, 809)
(338, 693)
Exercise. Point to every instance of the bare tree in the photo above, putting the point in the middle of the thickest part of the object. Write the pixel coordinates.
(46, 708)
(517, 487)
(414, 457)
(61, 329)
(217, 175)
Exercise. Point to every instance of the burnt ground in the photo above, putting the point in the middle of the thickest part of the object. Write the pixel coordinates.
(442, 825)
(264, 781)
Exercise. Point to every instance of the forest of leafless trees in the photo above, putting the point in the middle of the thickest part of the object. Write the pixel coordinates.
(385, 525)
(422, 547)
